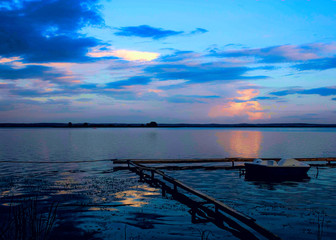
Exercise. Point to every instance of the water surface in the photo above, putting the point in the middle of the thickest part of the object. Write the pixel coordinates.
(99, 203)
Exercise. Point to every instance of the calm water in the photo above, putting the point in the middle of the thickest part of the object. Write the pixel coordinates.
(87, 144)
(97, 202)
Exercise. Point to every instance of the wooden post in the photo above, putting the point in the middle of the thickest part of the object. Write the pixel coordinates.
(193, 216)
(219, 206)
(232, 163)
(163, 186)
(216, 209)
(141, 176)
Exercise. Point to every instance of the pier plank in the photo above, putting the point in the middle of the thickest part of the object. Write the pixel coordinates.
(248, 221)
(208, 160)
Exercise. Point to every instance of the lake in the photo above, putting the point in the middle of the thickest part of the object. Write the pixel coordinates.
(99, 203)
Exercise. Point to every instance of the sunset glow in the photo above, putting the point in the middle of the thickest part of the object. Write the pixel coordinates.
(252, 109)
(128, 55)
(250, 61)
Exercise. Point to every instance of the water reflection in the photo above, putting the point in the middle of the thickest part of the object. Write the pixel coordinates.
(137, 197)
(241, 143)
(275, 185)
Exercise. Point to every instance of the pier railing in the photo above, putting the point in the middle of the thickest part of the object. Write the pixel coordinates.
(239, 224)
(230, 163)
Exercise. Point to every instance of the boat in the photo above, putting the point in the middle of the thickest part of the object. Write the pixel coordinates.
(285, 169)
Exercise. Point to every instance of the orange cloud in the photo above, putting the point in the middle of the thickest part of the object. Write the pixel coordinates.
(128, 55)
(155, 90)
(252, 109)
(7, 60)
(247, 94)
(136, 55)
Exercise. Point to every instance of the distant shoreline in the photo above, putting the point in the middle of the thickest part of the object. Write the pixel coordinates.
(163, 125)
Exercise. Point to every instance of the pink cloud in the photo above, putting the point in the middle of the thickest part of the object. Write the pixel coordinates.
(8, 60)
(155, 90)
(294, 53)
(252, 109)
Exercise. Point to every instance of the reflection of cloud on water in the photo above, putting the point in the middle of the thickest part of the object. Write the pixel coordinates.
(241, 143)
(66, 182)
(102, 209)
(137, 197)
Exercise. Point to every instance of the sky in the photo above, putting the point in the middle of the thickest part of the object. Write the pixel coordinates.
(177, 61)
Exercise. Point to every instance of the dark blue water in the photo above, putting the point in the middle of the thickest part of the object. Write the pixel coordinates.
(100, 203)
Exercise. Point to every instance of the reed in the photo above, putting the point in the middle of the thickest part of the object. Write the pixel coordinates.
(27, 221)
(205, 234)
(320, 224)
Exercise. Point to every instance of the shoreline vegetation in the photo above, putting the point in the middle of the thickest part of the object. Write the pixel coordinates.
(163, 125)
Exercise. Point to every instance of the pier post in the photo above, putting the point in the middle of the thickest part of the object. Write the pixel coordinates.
(163, 186)
(215, 215)
(193, 216)
(141, 175)
(175, 188)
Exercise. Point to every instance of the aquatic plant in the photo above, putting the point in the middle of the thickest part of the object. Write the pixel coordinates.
(25, 221)
(320, 224)
(205, 234)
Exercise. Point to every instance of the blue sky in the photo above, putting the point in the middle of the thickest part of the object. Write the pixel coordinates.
(192, 61)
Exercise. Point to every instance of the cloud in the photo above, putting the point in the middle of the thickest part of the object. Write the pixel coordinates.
(247, 94)
(191, 98)
(146, 31)
(180, 56)
(199, 31)
(281, 54)
(14, 103)
(323, 91)
(304, 116)
(265, 98)
(42, 31)
(29, 72)
(9, 60)
(199, 73)
(87, 86)
(318, 64)
(125, 54)
(129, 82)
(244, 107)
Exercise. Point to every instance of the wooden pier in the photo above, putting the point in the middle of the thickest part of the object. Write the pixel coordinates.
(235, 163)
(205, 208)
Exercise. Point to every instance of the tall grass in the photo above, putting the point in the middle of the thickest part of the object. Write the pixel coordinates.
(26, 221)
